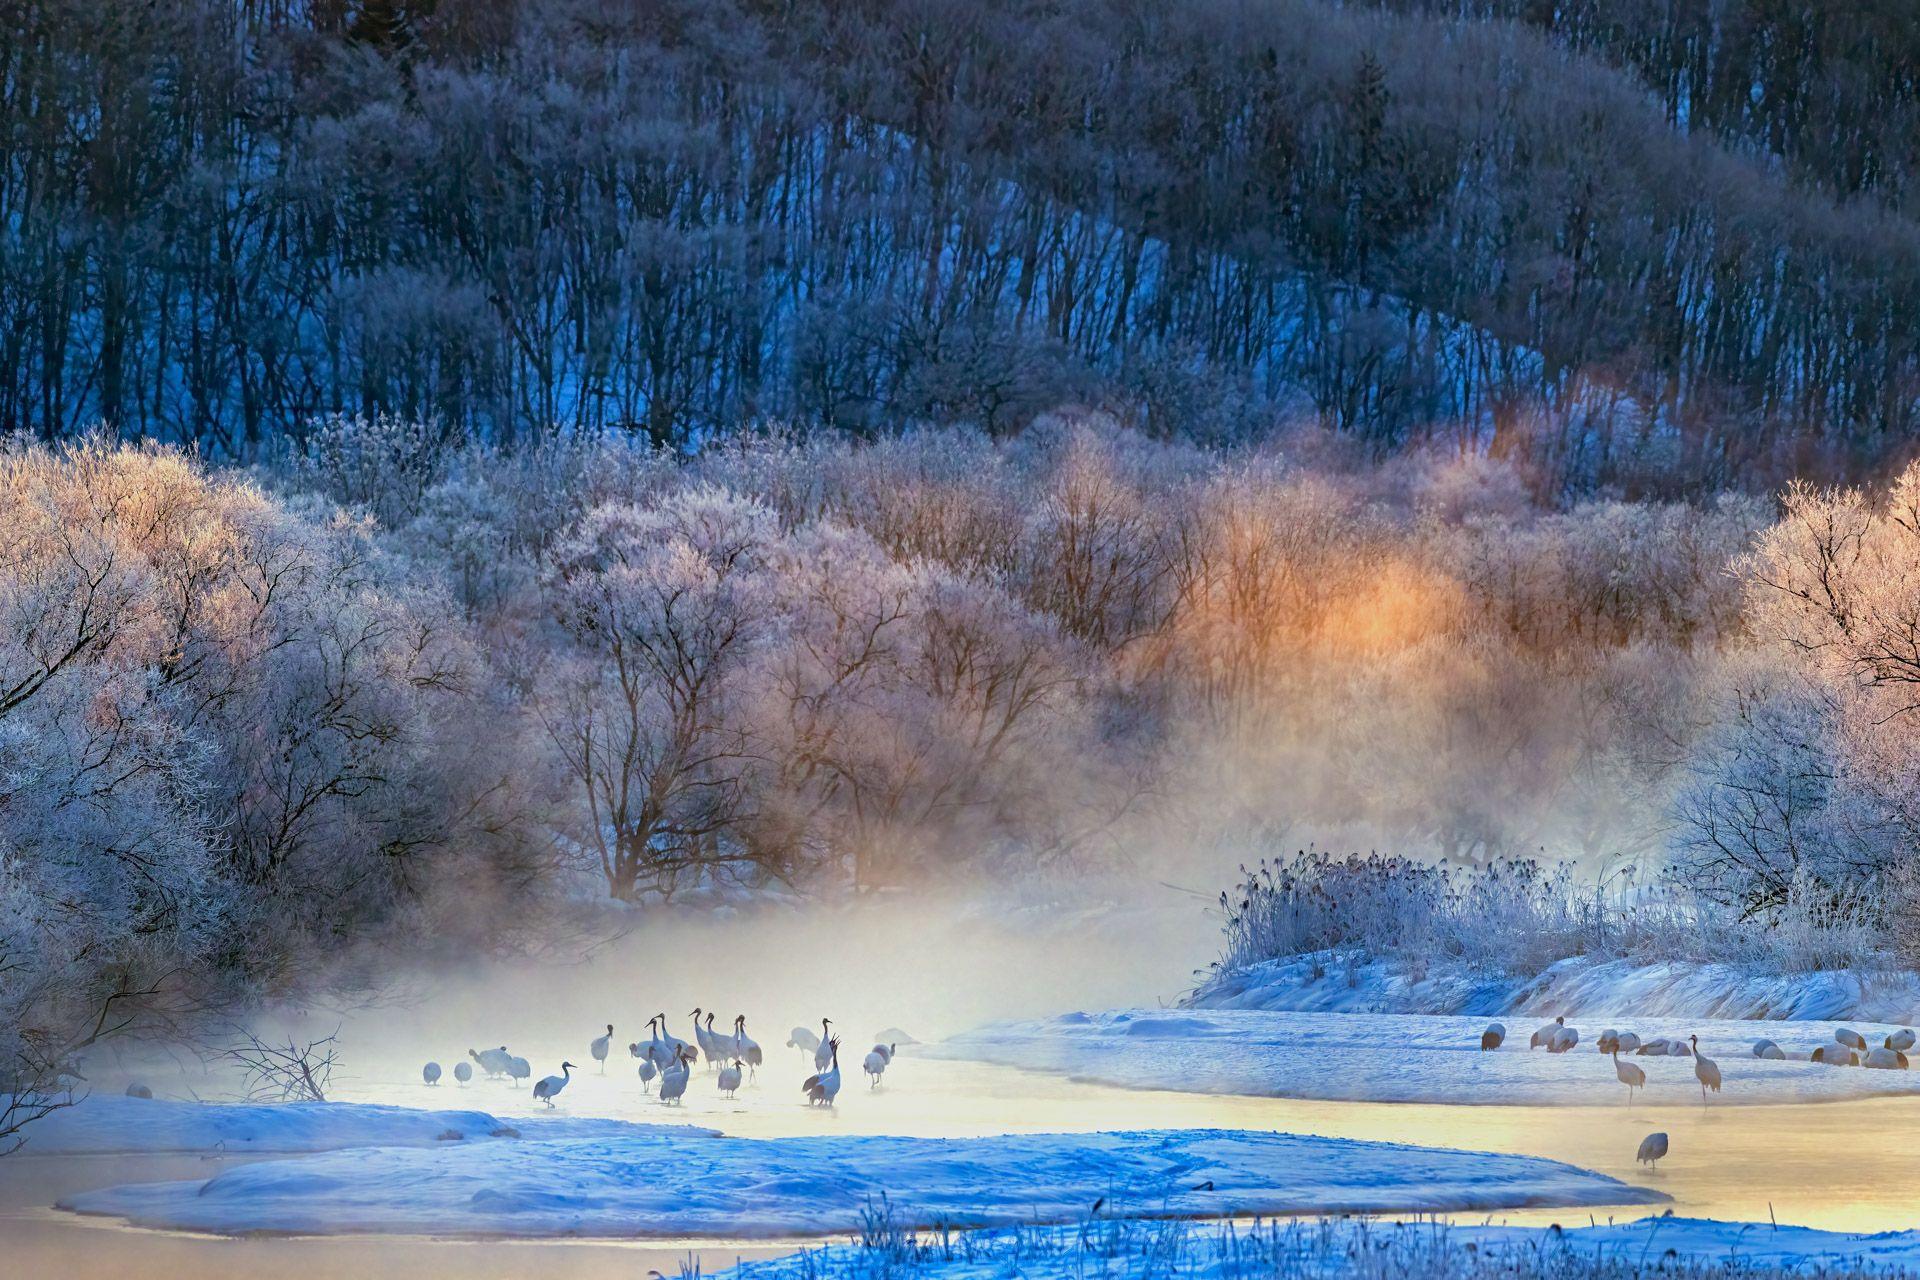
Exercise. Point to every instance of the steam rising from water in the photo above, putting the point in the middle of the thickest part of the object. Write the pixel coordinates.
(930, 966)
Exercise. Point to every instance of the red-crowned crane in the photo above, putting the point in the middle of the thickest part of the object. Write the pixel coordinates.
(550, 1086)
(825, 1086)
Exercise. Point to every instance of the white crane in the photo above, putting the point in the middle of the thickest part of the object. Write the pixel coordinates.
(1653, 1147)
(743, 1047)
(664, 1049)
(1562, 1040)
(1885, 1059)
(463, 1071)
(804, 1040)
(1834, 1056)
(1631, 1076)
(600, 1046)
(824, 1086)
(647, 1072)
(673, 1076)
(1851, 1038)
(519, 1068)
(431, 1073)
(1767, 1049)
(703, 1036)
(492, 1061)
(1492, 1037)
(550, 1086)
(729, 1077)
(879, 1058)
(1705, 1070)
(1608, 1041)
(1900, 1041)
(1545, 1034)
(1628, 1042)
(644, 1049)
(824, 1054)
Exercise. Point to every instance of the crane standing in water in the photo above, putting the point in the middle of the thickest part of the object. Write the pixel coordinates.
(1653, 1147)
(1705, 1070)
(1631, 1076)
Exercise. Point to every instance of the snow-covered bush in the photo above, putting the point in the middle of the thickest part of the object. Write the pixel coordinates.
(1517, 918)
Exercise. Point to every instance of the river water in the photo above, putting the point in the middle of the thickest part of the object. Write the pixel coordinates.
(1839, 1165)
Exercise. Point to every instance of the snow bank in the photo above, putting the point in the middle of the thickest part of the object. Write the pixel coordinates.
(1409, 1058)
(103, 1124)
(1749, 1244)
(1336, 1249)
(1582, 986)
(644, 1184)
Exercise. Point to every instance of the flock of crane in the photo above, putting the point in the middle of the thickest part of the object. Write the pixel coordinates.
(670, 1060)
(728, 1055)
(1849, 1049)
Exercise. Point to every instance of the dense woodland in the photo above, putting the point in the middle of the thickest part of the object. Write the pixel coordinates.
(1635, 246)
(463, 461)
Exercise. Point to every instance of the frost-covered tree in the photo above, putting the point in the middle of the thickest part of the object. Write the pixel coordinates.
(230, 727)
(1769, 806)
(822, 690)
(968, 746)
(111, 877)
(1815, 768)
(662, 608)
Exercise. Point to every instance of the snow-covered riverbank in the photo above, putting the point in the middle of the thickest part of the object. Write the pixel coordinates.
(1117, 1249)
(1409, 1058)
(1581, 986)
(665, 1184)
(114, 1124)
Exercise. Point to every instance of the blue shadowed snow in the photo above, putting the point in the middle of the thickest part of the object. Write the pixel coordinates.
(103, 1124)
(656, 1184)
(1334, 1250)
(1594, 988)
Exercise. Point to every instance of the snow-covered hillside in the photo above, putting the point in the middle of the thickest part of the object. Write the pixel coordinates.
(1580, 986)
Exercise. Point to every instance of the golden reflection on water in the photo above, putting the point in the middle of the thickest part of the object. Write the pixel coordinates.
(1840, 1165)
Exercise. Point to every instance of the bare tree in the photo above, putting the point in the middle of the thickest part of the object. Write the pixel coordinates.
(289, 1071)
(662, 608)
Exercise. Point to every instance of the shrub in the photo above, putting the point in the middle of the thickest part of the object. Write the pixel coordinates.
(1519, 916)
